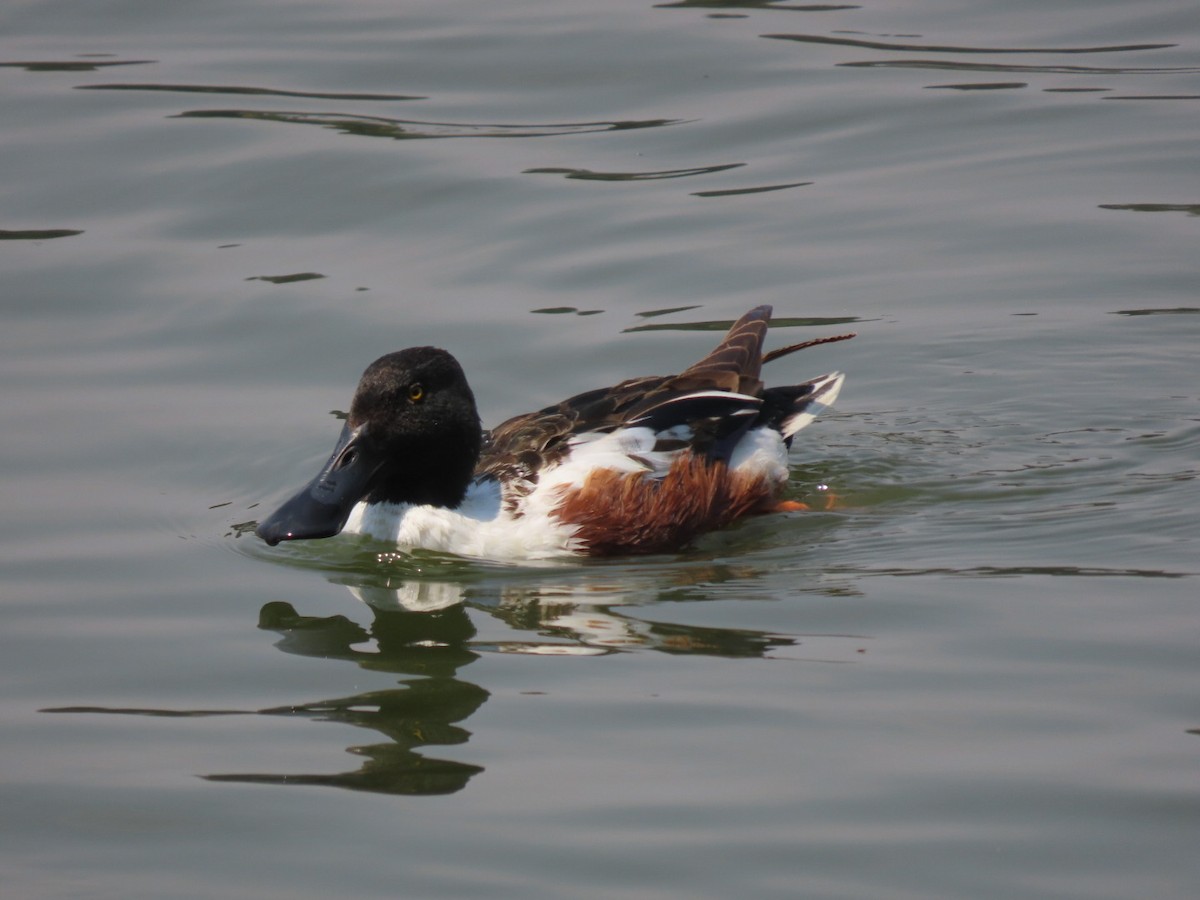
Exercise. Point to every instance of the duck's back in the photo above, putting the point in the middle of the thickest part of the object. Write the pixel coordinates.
(648, 464)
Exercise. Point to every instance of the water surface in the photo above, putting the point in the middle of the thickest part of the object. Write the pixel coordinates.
(973, 676)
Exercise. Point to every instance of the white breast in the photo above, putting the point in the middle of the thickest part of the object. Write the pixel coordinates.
(479, 528)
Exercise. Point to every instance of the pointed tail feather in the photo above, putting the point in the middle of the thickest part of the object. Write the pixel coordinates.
(788, 409)
(803, 345)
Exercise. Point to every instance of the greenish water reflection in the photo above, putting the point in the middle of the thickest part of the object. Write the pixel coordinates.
(423, 631)
(430, 647)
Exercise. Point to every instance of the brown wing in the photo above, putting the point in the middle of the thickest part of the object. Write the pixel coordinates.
(516, 450)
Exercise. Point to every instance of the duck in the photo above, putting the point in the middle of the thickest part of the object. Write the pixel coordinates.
(646, 466)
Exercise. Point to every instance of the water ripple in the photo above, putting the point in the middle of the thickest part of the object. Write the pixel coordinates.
(761, 189)
(287, 279)
(1192, 209)
(407, 129)
(723, 324)
(72, 65)
(1015, 571)
(235, 89)
(589, 175)
(980, 86)
(756, 4)
(958, 66)
(1154, 97)
(954, 48)
(37, 234)
(1170, 311)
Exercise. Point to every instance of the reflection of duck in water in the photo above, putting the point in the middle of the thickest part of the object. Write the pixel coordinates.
(642, 467)
(412, 635)
(562, 618)
(424, 631)
(429, 645)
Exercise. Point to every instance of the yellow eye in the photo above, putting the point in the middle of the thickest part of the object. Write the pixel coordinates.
(416, 393)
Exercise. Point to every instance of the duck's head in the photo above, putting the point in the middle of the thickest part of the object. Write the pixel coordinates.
(412, 436)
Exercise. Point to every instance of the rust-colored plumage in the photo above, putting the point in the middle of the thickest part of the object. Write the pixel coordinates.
(619, 513)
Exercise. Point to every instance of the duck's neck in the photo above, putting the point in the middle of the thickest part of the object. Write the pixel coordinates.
(434, 474)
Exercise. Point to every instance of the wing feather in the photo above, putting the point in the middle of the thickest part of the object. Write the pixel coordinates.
(708, 407)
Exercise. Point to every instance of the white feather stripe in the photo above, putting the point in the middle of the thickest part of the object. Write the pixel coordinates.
(735, 404)
(825, 392)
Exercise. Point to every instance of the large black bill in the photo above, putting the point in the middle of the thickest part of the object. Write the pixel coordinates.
(321, 508)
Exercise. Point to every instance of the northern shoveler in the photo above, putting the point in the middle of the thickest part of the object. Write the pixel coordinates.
(642, 467)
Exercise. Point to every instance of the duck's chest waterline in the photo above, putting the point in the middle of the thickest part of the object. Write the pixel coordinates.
(480, 527)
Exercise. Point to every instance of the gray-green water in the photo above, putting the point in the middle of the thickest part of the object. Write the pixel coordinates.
(976, 677)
